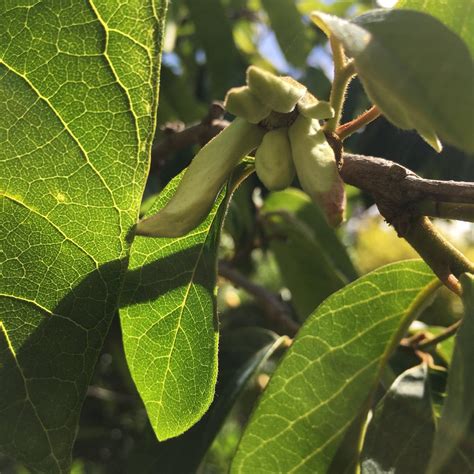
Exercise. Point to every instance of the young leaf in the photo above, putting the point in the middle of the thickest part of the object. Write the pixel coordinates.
(415, 69)
(331, 369)
(78, 96)
(169, 321)
(401, 431)
(457, 15)
(458, 408)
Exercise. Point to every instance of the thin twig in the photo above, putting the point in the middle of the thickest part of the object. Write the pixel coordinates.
(446, 334)
(347, 129)
(275, 310)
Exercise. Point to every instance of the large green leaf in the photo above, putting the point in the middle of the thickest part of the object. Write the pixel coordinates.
(406, 60)
(401, 431)
(312, 260)
(78, 96)
(169, 320)
(456, 14)
(458, 408)
(330, 371)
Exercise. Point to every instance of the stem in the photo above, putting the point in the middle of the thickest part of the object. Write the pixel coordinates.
(447, 262)
(343, 73)
(275, 311)
(444, 210)
(344, 131)
(446, 334)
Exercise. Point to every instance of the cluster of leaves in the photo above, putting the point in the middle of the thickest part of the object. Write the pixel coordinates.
(78, 88)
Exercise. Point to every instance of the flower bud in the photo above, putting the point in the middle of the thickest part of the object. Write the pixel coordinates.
(316, 168)
(273, 160)
(242, 102)
(281, 94)
(202, 181)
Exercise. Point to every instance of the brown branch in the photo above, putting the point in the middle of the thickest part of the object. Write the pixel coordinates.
(388, 180)
(446, 334)
(396, 191)
(274, 310)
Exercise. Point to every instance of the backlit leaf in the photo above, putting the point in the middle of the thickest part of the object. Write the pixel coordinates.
(78, 96)
(330, 370)
(457, 15)
(169, 321)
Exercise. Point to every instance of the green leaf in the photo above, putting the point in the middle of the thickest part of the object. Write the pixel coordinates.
(457, 15)
(167, 457)
(331, 369)
(415, 69)
(78, 97)
(312, 260)
(401, 431)
(289, 29)
(169, 320)
(458, 408)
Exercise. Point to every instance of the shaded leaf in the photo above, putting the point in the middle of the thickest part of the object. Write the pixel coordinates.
(458, 408)
(286, 22)
(457, 15)
(330, 370)
(414, 86)
(312, 260)
(214, 31)
(400, 434)
(77, 122)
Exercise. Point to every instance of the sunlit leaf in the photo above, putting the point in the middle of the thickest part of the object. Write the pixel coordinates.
(405, 60)
(169, 321)
(78, 96)
(456, 14)
(330, 371)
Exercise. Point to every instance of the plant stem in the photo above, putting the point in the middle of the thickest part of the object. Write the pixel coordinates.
(343, 73)
(446, 334)
(447, 262)
(444, 210)
(347, 129)
(275, 310)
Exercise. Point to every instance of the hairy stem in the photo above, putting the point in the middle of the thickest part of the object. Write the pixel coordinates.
(347, 129)
(343, 73)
